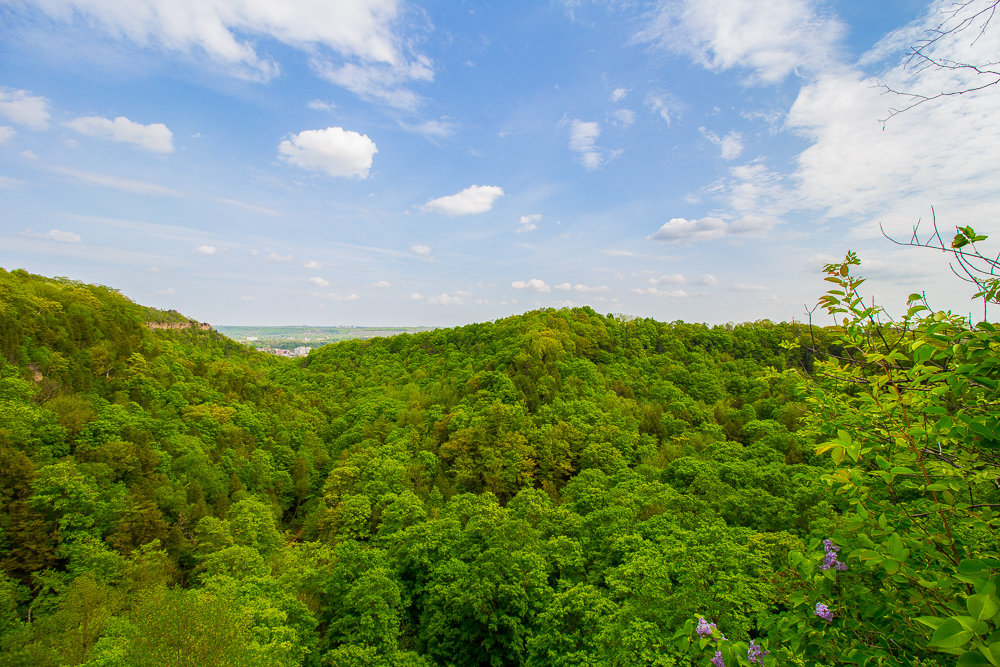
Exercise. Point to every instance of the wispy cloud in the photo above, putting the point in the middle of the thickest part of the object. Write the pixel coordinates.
(117, 182)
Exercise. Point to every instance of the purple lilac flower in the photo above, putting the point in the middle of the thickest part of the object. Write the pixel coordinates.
(717, 660)
(823, 612)
(704, 627)
(830, 560)
(756, 653)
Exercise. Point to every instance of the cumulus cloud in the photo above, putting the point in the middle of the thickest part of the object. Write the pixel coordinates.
(382, 283)
(769, 40)
(29, 155)
(673, 279)
(333, 296)
(155, 137)
(275, 257)
(528, 223)
(416, 296)
(422, 250)
(534, 285)
(618, 94)
(319, 282)
(563, 286)
(445, 300)
(586, 288)
(731, 145)
(473, 199)
(117, 182)
(582, 139)
(353, 43)
(6, 132)
(336, 151)
(204, 250)
(63, 237)
(311, 264)
(707, 279)
(23, 108)
(679, 230)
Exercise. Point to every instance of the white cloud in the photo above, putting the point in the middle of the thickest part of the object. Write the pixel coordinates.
(624, 116)
(677, 293)
(248, 207)
(679, 230)
(707, 279)
(23, 108)
(353, 43)
(64, 237)
(155, 137)
(205, 250)
(462, 293)
(563, 286)
(6, 132)
(731, 145)
(585, 288)
(117, 182)
(312, 264)
(771, 39)
(378, 82)
(10, 183)
(534, 285)
(618, 94)
(582, 139)
(275, 257)
(740, 287)
(382, 283)
(248, 298)
(333, 296)
(416, 296)
(336, 151)
(422, 250)
(473, 199)
(445, 300)
(665, 106)
(674, 279)
(528, 223)
(430, 128)
(319, 105)
(319, 282)
(169, 290)
(29, 155)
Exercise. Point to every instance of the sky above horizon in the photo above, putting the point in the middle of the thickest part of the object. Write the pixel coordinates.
(391, 163)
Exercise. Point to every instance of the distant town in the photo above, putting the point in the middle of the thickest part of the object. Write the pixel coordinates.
(298, 341)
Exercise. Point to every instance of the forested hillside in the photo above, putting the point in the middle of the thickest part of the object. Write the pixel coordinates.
(555, 488)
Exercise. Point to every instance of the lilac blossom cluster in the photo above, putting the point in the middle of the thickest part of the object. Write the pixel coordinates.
(705, 628)
(823, 612)
(717, 660)
(831, 557)
(756, 653)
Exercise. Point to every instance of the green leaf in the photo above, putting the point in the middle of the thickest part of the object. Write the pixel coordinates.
(972, 659)
(970, 567)
(981, 607)
(896, 549)
(954, 632)
(930, 621)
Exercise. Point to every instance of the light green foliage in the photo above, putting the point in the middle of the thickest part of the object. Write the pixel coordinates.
(558, 487)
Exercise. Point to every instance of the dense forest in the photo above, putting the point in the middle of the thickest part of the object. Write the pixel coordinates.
(555, 488)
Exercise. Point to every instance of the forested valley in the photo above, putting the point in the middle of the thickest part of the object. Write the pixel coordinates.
(556, 488)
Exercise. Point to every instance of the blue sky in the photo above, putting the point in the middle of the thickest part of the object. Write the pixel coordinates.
(379, 162)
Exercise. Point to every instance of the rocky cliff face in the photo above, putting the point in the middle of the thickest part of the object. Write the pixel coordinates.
(178, 325)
